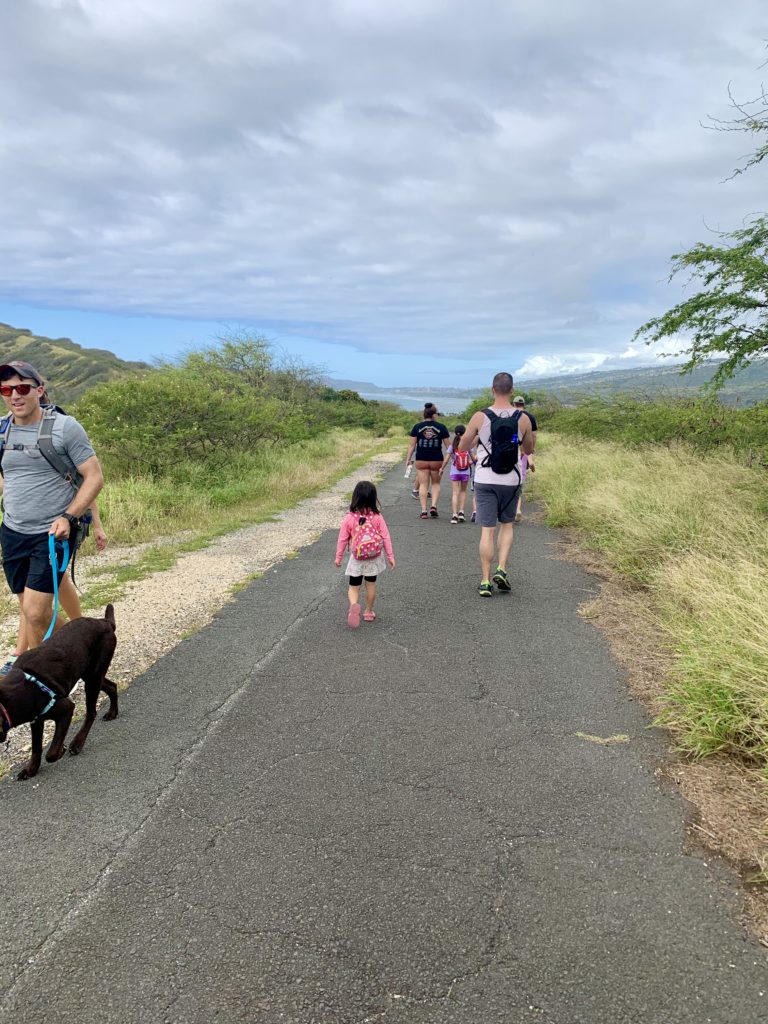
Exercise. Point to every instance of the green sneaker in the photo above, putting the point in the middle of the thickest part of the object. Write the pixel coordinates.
(501, 580)
(485, 589)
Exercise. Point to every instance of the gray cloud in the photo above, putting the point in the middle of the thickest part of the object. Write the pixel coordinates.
(395, 176)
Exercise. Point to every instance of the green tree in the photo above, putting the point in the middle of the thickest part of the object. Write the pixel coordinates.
(247, 357)
(729, 317)
(154, 424)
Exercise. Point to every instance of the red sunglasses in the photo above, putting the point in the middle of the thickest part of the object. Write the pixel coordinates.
(6, 390)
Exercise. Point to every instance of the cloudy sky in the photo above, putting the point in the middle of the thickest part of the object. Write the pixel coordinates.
(405, 191)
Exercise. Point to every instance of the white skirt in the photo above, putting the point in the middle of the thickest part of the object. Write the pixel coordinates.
(368, 567)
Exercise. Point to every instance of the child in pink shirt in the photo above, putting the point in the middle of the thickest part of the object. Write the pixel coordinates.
(363, 530)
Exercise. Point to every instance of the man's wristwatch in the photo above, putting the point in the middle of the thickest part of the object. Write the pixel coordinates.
(72, 520)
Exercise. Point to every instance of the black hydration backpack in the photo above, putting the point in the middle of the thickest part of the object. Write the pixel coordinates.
(505, 443)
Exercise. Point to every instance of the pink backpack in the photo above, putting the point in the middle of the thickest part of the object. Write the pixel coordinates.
(367, 542)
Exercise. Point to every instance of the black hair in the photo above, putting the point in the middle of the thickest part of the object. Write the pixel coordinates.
(430, 410)
(364, 498)
(459, 430)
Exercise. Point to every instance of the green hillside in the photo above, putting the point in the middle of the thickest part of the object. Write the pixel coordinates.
(67, 367)
(747, 387)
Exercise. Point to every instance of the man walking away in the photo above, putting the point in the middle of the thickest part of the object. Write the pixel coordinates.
(503, 435)
(527, 463)
(38, 500)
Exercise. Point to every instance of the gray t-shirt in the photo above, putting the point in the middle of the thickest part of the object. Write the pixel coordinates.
(33, 492)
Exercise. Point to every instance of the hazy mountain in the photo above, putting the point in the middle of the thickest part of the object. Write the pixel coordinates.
(746, 388)
(67, 367)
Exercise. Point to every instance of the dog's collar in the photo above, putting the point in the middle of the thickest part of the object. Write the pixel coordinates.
(6, 716)
(52, 697)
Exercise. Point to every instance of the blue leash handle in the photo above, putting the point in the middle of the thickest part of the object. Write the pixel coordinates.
(63, 546)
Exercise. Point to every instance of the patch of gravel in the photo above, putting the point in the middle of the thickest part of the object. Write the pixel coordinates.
(200, 582)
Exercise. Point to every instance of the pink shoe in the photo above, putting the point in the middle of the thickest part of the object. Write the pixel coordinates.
(369, 616)
(353, 618)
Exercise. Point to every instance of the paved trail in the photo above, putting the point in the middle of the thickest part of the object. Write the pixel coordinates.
(293, 822)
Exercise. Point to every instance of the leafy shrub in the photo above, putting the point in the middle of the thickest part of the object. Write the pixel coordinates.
(153, 424)
(217, 404)
(702, 423)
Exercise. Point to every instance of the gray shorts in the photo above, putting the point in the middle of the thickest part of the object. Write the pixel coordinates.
(496, 503)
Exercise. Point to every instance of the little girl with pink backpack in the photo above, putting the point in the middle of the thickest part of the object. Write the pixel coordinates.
(364, 532)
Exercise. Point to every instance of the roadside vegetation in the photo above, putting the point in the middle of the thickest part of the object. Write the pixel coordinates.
(228, 437)
(217, 407)
(674, 493)
(675, 497)
(250, 487)
(701, 423)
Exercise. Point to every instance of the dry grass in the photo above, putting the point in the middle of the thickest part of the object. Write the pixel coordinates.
(687, 622)
(690, 534)
(202, 504)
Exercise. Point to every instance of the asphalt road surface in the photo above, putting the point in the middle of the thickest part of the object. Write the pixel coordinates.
(296, 822)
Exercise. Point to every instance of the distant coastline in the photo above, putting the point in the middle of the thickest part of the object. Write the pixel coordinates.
(447, 404)
(748, 386)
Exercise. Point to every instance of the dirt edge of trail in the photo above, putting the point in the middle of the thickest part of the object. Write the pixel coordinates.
(726, 799)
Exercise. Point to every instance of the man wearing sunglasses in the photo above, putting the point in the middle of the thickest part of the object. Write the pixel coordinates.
(37, 500)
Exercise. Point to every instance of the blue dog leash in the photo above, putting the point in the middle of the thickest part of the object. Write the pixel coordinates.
(52, 697)
(63, 546)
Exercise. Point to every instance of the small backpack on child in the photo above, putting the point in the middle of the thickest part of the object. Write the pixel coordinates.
(367, 542)
(461, 462)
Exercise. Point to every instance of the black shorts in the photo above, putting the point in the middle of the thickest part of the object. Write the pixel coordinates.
(26, 562)
(356, 581)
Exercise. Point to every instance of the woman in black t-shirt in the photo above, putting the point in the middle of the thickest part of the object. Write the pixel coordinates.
(426, 450)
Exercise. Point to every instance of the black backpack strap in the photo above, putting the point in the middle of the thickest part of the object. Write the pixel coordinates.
(64, 467)
(491, 417)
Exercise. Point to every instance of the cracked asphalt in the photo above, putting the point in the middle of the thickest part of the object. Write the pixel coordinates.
(295, 822)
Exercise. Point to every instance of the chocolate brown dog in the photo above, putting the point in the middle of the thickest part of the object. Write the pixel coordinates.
(37, 688)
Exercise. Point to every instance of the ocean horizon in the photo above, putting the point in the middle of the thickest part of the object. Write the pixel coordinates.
(449, 406)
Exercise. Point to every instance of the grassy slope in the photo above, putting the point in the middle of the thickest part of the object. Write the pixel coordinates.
(67, 365)
(691, 531)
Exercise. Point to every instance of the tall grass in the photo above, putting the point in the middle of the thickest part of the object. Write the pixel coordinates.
(691, 531)
(700, 422)
(209, 498)
(205, 501)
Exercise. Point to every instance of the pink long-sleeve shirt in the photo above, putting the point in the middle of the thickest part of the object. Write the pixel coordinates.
(349, 525)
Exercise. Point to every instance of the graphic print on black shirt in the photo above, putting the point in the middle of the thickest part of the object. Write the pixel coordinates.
(429, 444)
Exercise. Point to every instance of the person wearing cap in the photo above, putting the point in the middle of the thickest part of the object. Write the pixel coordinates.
(526, 462)
(38, 501)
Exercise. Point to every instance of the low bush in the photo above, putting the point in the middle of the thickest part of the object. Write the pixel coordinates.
(701, 423)
(219, 404)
